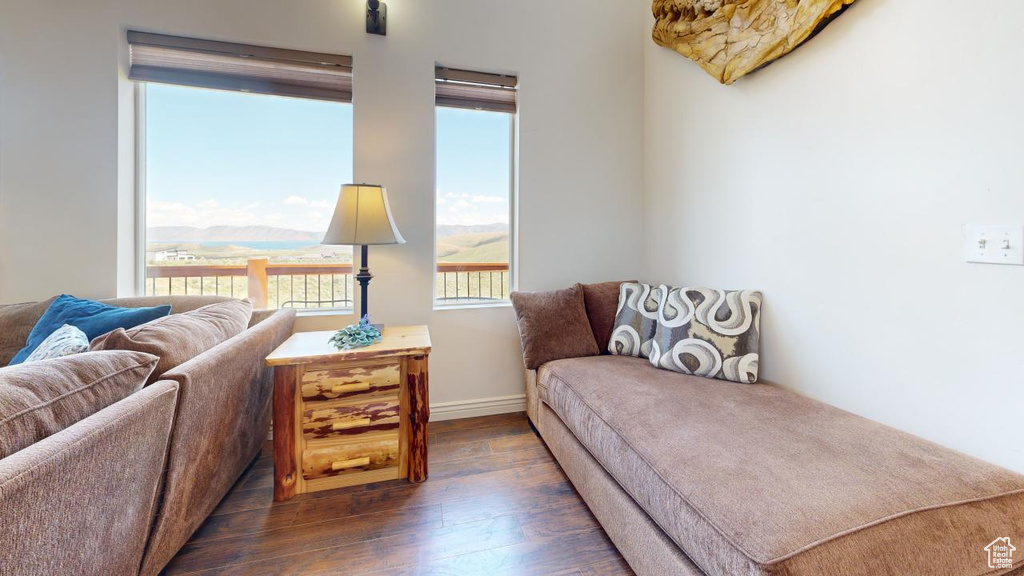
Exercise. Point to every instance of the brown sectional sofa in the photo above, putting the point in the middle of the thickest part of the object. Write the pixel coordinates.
(121, 491)
(694, 476)
(82, 501)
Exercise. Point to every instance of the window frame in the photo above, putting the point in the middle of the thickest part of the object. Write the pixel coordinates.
(140, 188)
(140, 165)
(513, 223)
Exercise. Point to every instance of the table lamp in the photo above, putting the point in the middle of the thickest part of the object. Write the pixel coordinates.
(363, 218)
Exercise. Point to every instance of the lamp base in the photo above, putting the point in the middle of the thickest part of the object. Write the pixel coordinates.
(379, 327)
(364, 277)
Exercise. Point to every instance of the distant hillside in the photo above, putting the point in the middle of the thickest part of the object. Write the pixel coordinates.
(445, 230)
(229, 234)
(491, 247)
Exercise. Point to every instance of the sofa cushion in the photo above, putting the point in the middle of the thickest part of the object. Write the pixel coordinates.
(67, 340)
(636, 319)
(16, 322)
(178, 304)
(756, 480)
(602, 301)
(38, 399)
(553, 325)
(92, 317)
(707, 332)
(179, 338)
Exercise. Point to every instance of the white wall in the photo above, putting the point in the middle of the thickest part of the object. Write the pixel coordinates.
(838, 181)
(64, 171)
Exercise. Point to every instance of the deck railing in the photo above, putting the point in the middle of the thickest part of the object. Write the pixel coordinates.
(315, 285)
(469, 282)
(267, 285)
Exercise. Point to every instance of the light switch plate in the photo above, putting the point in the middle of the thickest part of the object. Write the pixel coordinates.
(995, 244)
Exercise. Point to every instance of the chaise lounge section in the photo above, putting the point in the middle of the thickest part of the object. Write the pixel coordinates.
(696, 476)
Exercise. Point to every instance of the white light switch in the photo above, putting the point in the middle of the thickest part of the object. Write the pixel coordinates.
(995, 244)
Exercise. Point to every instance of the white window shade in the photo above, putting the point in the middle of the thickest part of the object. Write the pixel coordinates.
(475, 90)
(240, 67)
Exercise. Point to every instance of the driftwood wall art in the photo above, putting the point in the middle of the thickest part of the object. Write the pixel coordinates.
(732, 38)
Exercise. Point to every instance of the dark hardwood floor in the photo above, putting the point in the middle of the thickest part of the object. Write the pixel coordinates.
(496, 503)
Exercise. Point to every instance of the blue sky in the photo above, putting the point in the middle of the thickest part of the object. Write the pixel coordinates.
(228, 158)
(473, 157)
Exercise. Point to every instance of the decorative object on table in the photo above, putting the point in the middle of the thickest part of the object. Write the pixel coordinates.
(363, 218)
(349, 417)
(730, 39)
(358, 335)
(376, 17)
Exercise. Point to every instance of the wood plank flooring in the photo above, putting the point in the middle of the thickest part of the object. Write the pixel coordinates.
(496, 504)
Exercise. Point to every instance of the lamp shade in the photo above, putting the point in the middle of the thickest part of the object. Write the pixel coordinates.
(363, 218)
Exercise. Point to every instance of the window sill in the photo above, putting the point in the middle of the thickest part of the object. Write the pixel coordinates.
(472, 305)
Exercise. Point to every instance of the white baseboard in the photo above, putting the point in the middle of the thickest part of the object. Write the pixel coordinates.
(482, 407)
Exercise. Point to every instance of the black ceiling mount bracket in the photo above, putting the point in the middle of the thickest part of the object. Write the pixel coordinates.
(376, 17)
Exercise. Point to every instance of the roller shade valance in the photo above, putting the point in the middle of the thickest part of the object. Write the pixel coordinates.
(475, 90)
(241, 67)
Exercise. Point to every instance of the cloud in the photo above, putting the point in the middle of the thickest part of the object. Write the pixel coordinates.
(317, 216)
(207, 213)
(474, 198)
(296, 213)
(471, 209)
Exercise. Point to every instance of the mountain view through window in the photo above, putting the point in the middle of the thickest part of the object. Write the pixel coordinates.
(240, 189)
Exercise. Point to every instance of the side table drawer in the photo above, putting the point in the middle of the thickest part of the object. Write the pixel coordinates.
(345, 382)
(323, 420)
(345, 459)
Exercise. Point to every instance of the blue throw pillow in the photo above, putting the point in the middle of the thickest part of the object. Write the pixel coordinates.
(92, 317)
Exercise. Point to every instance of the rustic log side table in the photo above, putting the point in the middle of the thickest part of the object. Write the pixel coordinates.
(348, 417)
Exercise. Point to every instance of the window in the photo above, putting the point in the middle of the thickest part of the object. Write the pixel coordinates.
(475, 235)
(240, 172)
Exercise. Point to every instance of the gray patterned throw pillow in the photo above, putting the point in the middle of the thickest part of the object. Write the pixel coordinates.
(65, 341)
(706, 332)
(635, 320)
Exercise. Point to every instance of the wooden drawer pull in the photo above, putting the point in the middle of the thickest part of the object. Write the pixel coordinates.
(353, 463)
(350, 424)
(353, 387)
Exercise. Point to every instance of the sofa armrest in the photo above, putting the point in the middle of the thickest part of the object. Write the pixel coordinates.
(82, 500)
(261, 315)
(222, 421)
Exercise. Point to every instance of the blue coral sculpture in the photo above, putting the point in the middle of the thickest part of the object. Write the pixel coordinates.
(357, 335)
